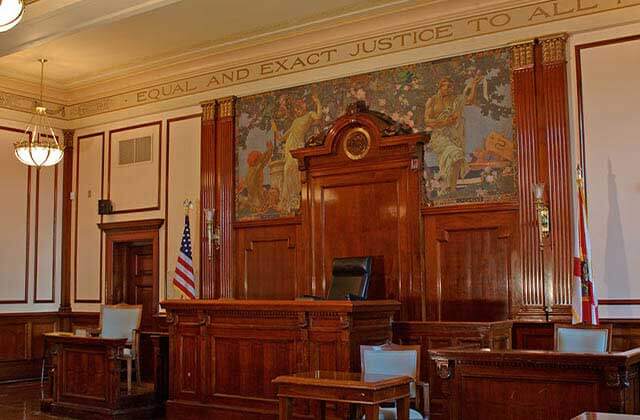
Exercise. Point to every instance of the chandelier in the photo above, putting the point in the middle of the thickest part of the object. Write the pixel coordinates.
(39, 146)
(11, 12)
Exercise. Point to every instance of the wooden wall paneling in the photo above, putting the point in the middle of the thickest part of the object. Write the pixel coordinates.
(77, 201)
(208, 272)
(268, 260)
(156, 206)
(225, 182)
(552, 91)
(65, 240)
(21, 335)
(471, 258)
(529, 292)
(369, 205)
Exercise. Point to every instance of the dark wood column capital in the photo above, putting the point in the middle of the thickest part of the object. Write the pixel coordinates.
(67, 183)
(225, 176)
(208, 276)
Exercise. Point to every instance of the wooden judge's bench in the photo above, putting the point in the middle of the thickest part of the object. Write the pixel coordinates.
(225, 353)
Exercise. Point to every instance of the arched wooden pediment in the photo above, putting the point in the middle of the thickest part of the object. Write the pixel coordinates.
(360, 134)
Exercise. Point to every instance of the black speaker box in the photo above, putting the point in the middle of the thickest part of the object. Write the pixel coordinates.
(105, 207)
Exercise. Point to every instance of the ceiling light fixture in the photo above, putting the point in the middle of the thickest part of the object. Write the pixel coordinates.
(11, 12)
(39, 146)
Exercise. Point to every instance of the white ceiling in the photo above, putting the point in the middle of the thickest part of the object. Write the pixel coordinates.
(89, 39)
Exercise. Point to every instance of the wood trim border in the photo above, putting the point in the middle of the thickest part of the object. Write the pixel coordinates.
(281, 221)
(77, 200)
(578, 49)
(166, 192)
(67, 212)
(134, 127)
(614, 302)
(28, 233)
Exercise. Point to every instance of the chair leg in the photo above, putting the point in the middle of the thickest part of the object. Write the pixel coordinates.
(138, 376)
(129, 362)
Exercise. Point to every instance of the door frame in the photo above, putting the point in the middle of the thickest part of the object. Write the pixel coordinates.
(132, 231)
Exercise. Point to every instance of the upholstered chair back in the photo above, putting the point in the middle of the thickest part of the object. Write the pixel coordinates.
(392, 359)
(120, 321)
(582, 339)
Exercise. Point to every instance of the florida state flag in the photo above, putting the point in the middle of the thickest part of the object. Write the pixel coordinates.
(585, 300)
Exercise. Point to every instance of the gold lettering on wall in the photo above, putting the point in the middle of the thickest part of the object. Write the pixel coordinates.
(540, 12)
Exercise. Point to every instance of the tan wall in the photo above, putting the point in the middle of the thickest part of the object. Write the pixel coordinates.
(183, 160)
(610, 92)
(30, 226)
(176, 143)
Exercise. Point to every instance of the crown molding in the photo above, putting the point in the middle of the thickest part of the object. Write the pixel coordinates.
(201, 72)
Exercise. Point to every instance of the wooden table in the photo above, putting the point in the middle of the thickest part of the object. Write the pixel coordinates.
(605, 416)
(485, 384)
(344, 387)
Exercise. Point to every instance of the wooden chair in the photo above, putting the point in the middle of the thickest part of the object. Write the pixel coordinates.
(582, 338)
(123, 321)
(395, 359)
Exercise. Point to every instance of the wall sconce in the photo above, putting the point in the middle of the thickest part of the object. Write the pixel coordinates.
(213, 233)
(542, 211)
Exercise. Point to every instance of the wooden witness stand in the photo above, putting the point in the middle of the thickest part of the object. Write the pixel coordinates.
(85, 380)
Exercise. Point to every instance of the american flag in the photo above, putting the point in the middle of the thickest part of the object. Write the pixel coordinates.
(585, 300)
(184, 280)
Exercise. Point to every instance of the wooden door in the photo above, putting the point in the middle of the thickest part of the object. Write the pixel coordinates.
(139, 288)
(471, 259)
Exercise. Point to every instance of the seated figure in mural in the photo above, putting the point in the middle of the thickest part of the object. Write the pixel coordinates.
(444, 115)
(256, 161)
(293, 139)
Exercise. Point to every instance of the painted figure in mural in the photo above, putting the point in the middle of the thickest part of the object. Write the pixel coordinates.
(293, 139)
(256, 161)
(444, 115)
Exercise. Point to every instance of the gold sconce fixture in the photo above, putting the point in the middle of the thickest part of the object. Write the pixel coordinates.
(542, 212)
(213, 233)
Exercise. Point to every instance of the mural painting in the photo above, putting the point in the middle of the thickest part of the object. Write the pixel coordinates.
(465, 101)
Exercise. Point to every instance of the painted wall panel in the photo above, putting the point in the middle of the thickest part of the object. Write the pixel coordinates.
(87, 276)
(15, 187)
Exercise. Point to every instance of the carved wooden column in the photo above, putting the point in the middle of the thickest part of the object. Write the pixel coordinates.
(67, 186)
(526, 121)
(208, 271)
(552, 94)
(225, 174)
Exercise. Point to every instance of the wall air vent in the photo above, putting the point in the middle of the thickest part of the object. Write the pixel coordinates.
(136, 150)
